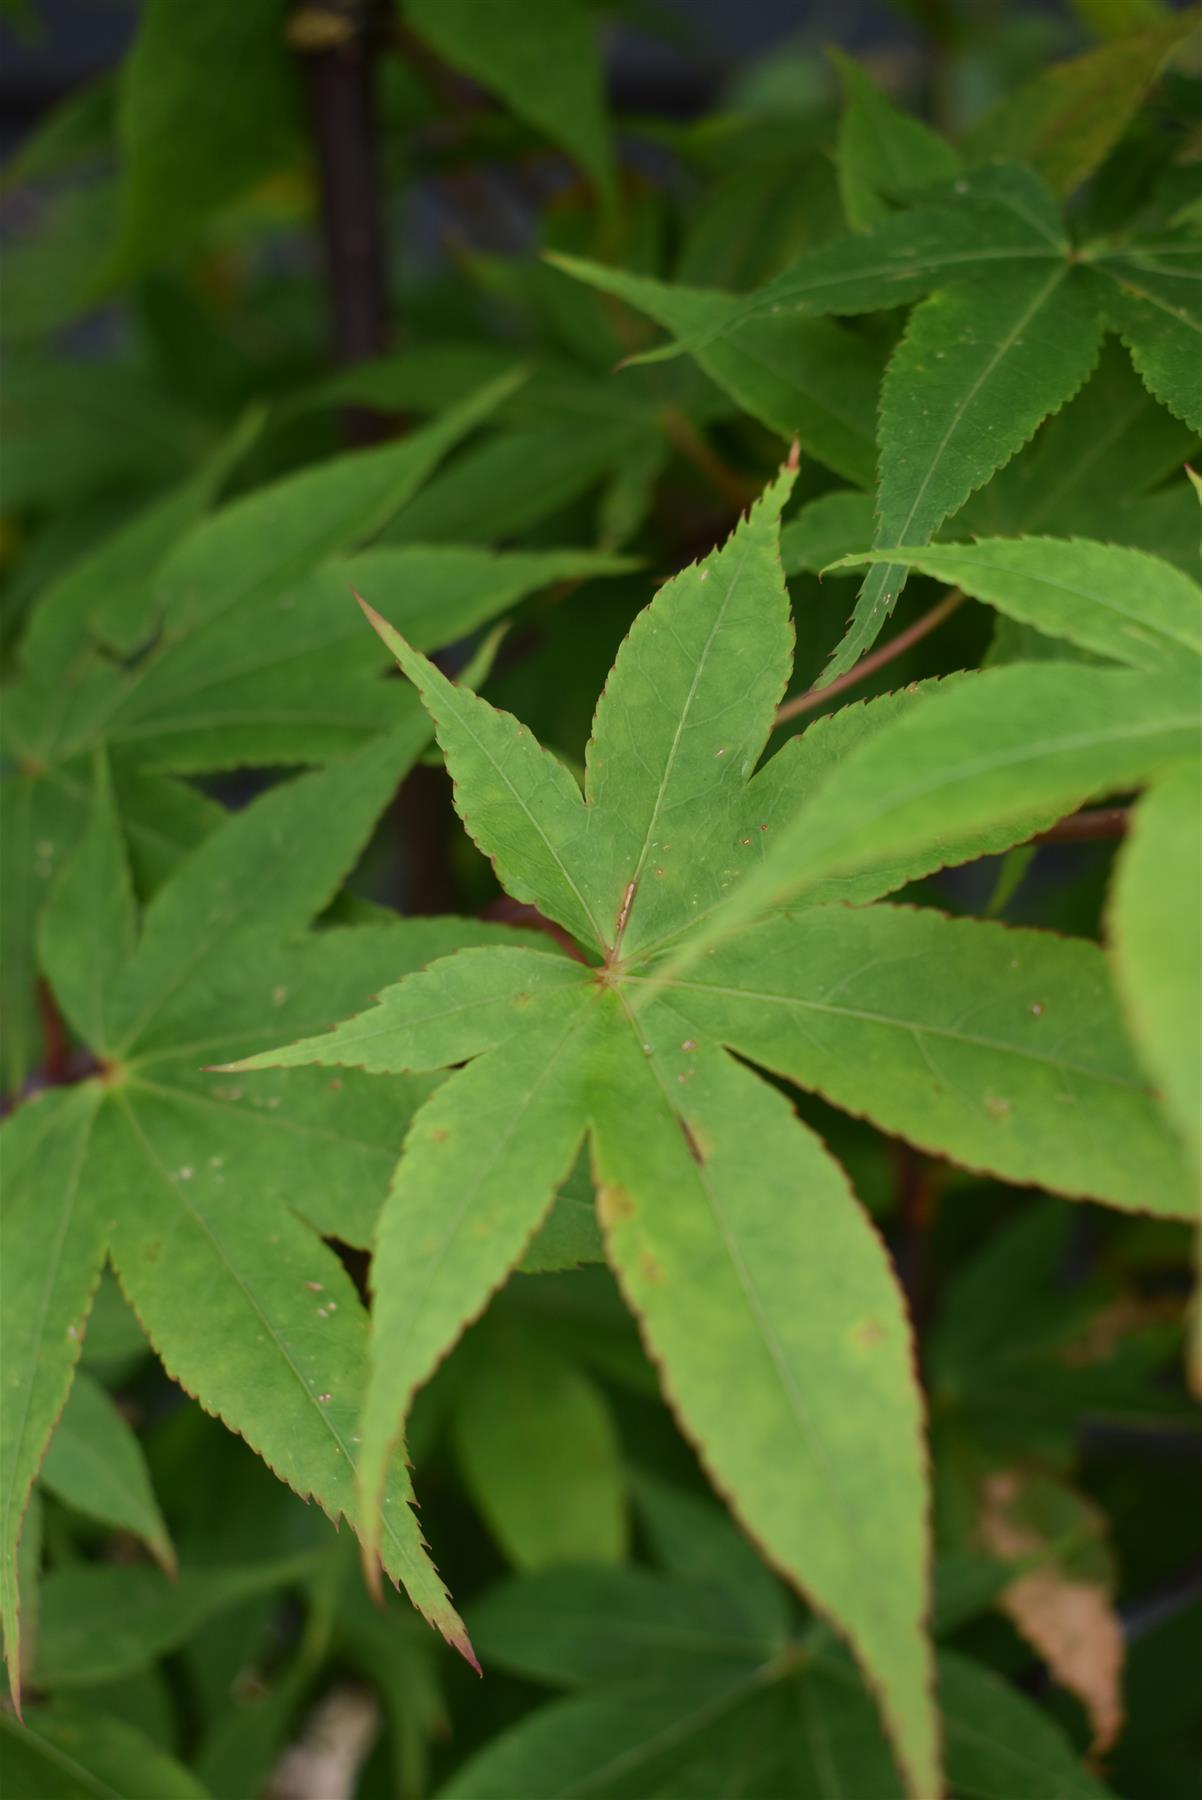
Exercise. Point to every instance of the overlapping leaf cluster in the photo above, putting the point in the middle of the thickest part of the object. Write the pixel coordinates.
(761, 1291)
(724, 1050)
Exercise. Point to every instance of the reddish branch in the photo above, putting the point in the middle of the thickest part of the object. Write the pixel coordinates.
(877, 659)
(1091, 825)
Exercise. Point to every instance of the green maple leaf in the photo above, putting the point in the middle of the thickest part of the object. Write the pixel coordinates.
(763, 1294)
(1008, 319)
(252, 658)
(209, 1200)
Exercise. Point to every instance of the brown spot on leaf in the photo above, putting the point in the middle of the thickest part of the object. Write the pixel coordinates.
(652, 1268)
(868, 1333)
(614, 1204)
(438, 1135)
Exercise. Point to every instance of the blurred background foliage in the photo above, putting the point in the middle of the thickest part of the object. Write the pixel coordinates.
(241, 235)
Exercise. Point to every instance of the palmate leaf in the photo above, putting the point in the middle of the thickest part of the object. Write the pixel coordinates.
(221, 576)
(1011, 328)
(742, 1712)
(685, 715)
(154, 1161)
(259, 661)
(763, 1295)
(186, 151)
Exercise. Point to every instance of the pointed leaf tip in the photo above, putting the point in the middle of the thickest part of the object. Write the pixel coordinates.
(369, 612)
(388, 634)
(459, 1640)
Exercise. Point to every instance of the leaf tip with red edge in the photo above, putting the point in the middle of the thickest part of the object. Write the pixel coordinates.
(459, 1640)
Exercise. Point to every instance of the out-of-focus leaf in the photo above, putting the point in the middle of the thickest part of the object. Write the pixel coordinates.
(95, 1463)
(573, 1627)
(540, 1454)
(192, 140)
(1067, 119)
(828, 528)
(70, 1751)
(99, 1623)
(1154, 909)
(1064, 1607)
(570, 1235)
(541, 57)
(882, 153)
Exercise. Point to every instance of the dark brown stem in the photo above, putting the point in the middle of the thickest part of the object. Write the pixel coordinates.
(916, 1184)
(684, 436)
(54, 1036)
(877, 659)
(1092, 825)
(336, 43)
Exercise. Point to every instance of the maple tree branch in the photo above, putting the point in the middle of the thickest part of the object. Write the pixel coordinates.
(815, 697)
(916, 1185)
(336, 43)
(1092, 824)
(54, 1034)
(696, 449)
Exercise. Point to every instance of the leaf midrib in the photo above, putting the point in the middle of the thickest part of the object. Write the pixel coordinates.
(674, 747)
(909, 1026)
(898, 271)
(998, 354)
(795, 1400)
(398, 1348)
(464, 720)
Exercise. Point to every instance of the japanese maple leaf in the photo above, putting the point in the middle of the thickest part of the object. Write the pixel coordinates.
(764, 1294)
